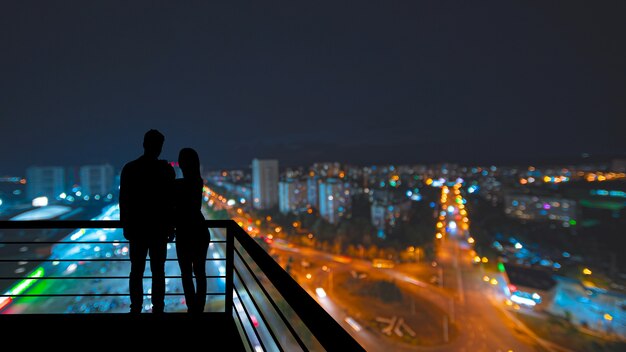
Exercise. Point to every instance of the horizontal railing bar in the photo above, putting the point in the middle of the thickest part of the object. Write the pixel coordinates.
(94, 277)
(87, 224)
(97, 294)
(87, 260)
(78, 242)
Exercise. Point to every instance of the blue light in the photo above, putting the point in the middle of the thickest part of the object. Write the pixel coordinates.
(432, 204)
(381, 233)
(566, 255)
(416, 197)
(382, 183)
(471, 189)
(515, 203)
(517, 298)
(409, 193)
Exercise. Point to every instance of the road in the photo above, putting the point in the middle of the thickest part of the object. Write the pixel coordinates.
(23, 253)
(479, 305)
(476, 307)
(473, 306)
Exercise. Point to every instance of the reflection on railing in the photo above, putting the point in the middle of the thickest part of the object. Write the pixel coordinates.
(90, 273)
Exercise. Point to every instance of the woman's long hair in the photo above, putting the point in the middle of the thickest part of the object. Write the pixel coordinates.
(189, 163)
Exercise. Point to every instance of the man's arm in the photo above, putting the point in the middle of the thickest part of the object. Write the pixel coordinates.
(124, 197)
(170, 199)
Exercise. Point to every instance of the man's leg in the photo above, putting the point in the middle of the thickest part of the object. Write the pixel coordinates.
(158, 253)
(138, 251)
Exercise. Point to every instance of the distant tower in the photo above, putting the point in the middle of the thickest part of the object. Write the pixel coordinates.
(291, 196)
(48, 181)
(334, 199)
(312, 183)
(264, 183)
(96, 179)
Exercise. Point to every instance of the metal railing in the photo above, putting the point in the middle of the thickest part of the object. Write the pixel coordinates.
(271, 310)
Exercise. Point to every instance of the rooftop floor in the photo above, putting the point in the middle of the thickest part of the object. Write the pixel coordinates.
(121, 331)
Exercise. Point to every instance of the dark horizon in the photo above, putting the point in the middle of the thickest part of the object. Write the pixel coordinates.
(297, 157)
(490, 83)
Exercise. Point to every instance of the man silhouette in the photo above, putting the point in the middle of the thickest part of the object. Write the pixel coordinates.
(146, 209)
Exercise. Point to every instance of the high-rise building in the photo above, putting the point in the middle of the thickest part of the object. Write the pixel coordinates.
(264, 183)
(334, 198)
(72, 177)
(96, 179)
(312, 183)
(292, 196)
(45, 181)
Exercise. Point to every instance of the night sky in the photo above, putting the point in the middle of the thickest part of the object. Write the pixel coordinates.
(355, 81)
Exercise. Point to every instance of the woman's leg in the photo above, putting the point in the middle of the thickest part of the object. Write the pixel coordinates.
(199, 269)
(183, 252)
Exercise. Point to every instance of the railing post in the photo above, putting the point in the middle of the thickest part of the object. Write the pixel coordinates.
(230, 253)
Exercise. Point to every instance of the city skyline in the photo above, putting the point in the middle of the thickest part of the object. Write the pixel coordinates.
(401, 83)
(484, 247)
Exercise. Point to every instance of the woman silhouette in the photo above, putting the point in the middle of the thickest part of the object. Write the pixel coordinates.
(192, 235)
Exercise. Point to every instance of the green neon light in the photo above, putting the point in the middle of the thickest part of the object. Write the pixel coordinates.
(501, 267)
(26, 283)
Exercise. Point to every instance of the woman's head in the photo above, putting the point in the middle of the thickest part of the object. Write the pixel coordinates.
(189, 162)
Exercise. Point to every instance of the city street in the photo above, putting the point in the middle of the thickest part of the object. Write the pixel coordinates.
(116, 273)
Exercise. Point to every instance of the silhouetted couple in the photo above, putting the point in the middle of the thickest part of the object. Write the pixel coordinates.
(155, 207)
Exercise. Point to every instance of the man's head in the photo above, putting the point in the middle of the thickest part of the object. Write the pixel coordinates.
(153, 143)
